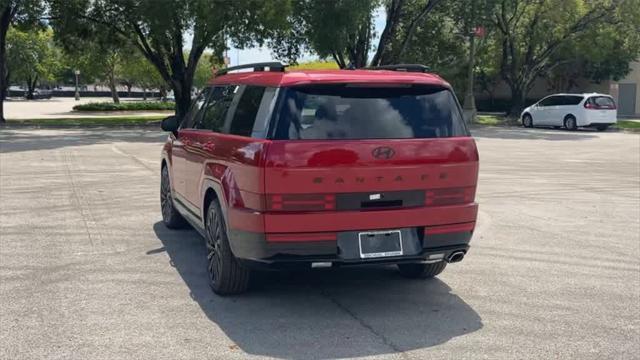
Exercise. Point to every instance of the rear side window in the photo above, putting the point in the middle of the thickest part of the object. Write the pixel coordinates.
(572, 100)
(215, 110)
(355, 112)
(601, 102)
(195, 112)
(246, 111)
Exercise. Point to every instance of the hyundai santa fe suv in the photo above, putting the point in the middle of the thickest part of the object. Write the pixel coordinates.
(572, 111)
(302, 169)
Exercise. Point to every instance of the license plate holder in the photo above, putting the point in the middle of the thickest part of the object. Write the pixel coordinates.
(377, 244)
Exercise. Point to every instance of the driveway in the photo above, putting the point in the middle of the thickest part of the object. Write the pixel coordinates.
(87, 270)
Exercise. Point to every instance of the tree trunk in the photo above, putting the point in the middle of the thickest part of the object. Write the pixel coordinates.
(5, 20)
(182, 94)
(144, 93)
(112, 87)
(518, 98)
(31, 87)
(129, 90)
(394, 10)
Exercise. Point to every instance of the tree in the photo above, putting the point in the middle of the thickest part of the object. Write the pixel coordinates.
(531, 32)
(604, 52)
(138, 71)
(158, 30)
(205, 70)
(32, 58)
(22, 13)
(343, 30)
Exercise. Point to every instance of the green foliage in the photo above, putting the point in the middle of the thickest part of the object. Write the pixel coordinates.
(136, 70)
(205, 70)
(341, 29)
(32, 57)
(158, 30)
(315, 65)
(126, 106)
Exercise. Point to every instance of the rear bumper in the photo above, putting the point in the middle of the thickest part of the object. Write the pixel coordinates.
(253, 249)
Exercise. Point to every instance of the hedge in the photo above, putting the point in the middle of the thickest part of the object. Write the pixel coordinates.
(126, 106)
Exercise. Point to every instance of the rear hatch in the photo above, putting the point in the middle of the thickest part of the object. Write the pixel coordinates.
(340, 148)
(601, 109)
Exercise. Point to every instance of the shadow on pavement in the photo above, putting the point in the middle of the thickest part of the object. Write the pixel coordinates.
(23, 139)
(518, 133)
(323, 314)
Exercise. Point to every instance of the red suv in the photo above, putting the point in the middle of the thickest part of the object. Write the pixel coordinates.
(281, 169)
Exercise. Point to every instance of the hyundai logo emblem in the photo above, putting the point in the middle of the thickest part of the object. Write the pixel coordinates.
(383, 152)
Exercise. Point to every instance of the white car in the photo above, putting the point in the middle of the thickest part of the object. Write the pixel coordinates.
(572, 111)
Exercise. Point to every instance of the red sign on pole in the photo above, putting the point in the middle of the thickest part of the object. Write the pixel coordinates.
(479, 31)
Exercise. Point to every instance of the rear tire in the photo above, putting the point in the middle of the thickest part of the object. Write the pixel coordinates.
(527, 121)
(226, 275)
(170, 215)
(602, 127)
(421, 271)
(570, 123)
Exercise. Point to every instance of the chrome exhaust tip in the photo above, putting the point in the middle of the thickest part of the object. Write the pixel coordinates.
(455, 257)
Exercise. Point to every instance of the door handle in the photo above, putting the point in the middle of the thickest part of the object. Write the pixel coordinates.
(209, 146)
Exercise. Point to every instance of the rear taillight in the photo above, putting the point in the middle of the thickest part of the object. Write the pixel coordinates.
(450, 196)
(589, 106)
(301, 202)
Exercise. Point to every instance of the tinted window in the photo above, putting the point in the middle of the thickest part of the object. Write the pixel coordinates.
(351, 112)
(572, 100)
(602, 102)
(215, 109)
(195, 111)
(547, 101)
(245, 114)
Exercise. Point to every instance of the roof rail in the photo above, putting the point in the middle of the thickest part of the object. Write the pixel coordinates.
(273, 66)
(402, 67)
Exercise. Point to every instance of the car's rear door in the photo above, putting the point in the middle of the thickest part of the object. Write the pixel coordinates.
(341, 149)
(204, 146)
(180, 143)
(601, 109)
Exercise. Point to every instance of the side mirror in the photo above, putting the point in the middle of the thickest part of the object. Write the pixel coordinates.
(170, 123)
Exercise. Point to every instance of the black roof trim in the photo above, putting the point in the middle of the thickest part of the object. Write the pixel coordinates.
(273, 66)
(402, 67)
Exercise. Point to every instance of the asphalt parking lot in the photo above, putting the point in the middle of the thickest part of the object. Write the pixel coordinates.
(87, 270)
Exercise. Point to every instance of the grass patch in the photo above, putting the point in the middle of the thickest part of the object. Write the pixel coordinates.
(489, 120)
(126, 106)
(627, 124)
(90, 122)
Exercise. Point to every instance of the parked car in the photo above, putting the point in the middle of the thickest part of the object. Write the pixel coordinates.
(41, 94)
(572, 111)
(280, 169)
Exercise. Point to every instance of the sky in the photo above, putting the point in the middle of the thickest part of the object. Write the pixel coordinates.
(262, 54)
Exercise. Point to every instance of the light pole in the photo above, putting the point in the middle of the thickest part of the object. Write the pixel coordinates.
(77, 72)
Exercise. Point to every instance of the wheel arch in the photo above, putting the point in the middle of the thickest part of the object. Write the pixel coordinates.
(212, 190)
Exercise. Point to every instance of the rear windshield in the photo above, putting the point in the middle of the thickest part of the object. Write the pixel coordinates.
(602, 102)
(354, 112)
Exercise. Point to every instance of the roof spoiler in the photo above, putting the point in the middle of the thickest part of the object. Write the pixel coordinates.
(272, 66)
(402, 67)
